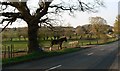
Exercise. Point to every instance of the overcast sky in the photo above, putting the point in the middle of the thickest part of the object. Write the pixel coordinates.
(109, 13)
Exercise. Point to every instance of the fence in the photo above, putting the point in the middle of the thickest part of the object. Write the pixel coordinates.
(12, 50)
(9, 52)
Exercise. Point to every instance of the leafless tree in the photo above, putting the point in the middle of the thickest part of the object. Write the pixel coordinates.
(43, 14)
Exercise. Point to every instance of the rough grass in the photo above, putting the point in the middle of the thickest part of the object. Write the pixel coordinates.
(37, 55)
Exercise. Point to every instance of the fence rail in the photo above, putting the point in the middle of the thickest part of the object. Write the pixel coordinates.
(9, 52)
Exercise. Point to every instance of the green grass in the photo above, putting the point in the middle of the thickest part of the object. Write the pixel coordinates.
(17, 46)
(38, 55)
(22, 45)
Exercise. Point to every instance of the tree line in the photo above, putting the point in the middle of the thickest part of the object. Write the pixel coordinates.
(98, 29)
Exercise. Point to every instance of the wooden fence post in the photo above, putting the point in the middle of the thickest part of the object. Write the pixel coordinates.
(8, 51)
(11, 51)
(5, 52)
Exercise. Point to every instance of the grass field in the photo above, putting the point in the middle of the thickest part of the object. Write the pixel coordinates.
(22, 44)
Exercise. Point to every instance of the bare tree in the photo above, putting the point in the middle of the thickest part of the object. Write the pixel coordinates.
(40, 15)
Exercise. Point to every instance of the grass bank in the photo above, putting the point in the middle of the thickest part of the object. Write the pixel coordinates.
(108, 42)
(37, 55)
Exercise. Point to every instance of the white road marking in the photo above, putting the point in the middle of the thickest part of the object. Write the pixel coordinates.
(90, 54)
(53, 67)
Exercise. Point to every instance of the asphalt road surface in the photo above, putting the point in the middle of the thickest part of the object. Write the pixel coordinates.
(98, 57)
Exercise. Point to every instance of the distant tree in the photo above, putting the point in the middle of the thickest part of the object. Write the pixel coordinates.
(58, 32)
(87, 31)
(5, 35)
(41, 14)
(22, 33)
(19, 33)
(98, 26)
(80, 31)
(50, 34)
(9, 34)
(69, 32)
(42, 33)
(117, 26)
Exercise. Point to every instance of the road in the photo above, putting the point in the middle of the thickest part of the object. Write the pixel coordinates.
(98, 57)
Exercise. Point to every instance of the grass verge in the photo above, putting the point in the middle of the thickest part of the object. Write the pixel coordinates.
(37, 55)
(111, 41)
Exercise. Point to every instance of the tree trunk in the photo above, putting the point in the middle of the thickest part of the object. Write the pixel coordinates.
(33, 45)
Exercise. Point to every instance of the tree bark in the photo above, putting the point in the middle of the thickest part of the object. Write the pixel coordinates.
(33, 45)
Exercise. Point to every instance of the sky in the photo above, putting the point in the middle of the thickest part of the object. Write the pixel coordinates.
(109, 13)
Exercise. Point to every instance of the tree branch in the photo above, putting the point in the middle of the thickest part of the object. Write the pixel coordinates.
(43, 20)
(6, 3)
(6, 24)
(40, 14)
(63, 8)
(25, 5)
(50, 26)
(11, 14)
